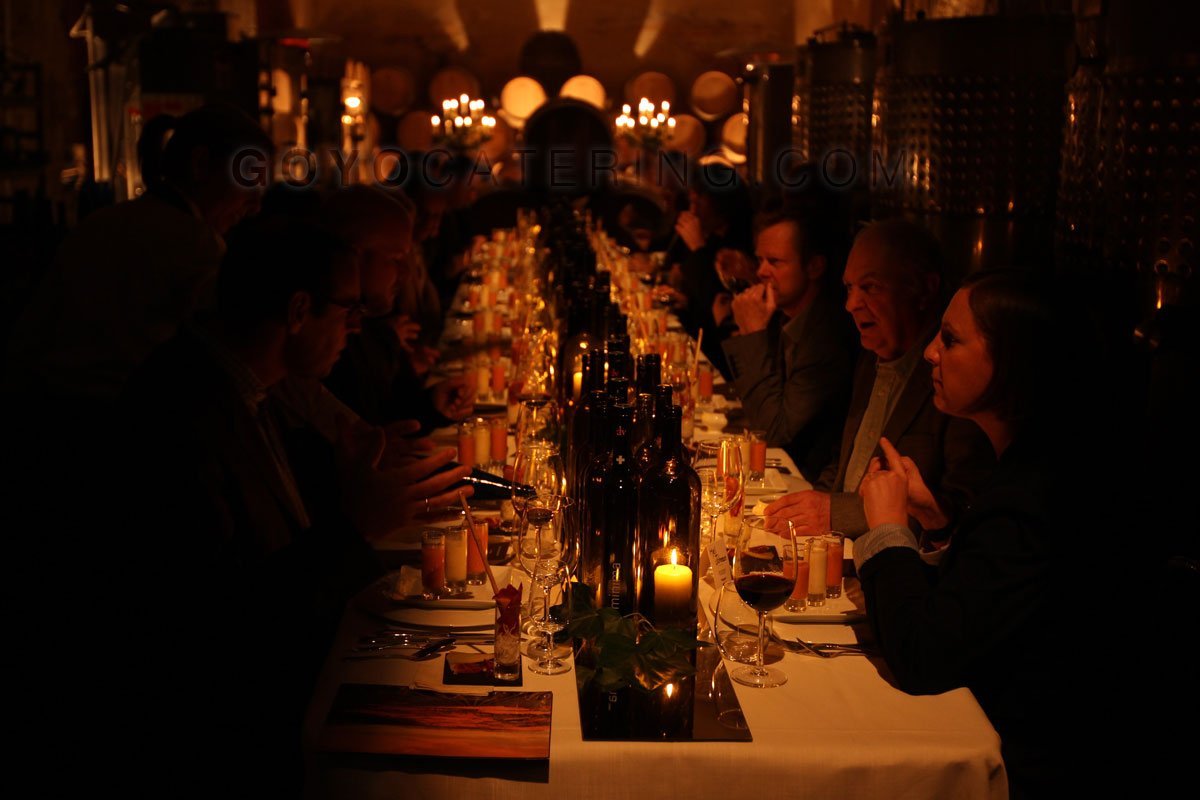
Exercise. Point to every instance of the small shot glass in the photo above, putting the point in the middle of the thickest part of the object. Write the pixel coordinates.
(477, 555)
(433, 563)
(466, 444)
(799, 597)
(818, 561)
(705, 392)
(499, 442)
(456, 559)
(756, 464)
(835, 548)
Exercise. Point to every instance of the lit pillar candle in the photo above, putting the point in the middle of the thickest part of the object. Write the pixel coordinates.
(577, 384)
(672, 589)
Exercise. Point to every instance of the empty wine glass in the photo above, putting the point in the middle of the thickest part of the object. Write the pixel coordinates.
(537, 420)
(718, 462)
(763, 565)
(542, 549)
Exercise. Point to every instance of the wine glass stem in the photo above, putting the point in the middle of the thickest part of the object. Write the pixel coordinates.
(762, 628)
(549, 658)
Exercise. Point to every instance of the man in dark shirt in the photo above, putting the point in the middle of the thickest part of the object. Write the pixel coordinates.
(790, 358)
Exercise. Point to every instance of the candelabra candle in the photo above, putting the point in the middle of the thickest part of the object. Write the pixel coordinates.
(463, 123)
(648, 127)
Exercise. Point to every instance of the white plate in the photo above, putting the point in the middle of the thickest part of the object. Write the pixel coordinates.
(836, 611)
(379, 600)
(773, 483)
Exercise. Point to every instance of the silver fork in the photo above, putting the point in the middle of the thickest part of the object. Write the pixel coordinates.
(823, 649)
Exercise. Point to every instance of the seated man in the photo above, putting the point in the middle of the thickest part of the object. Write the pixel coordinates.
(895, 284)
(132, 273)
(379, 374)
(790, 358)
(237, 578)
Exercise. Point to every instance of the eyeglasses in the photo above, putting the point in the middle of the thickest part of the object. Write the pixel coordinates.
(354, 308)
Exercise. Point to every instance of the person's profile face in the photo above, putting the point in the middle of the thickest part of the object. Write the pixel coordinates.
(381, 267)
(962, 364)
(779, 265)
(322, 337)
(884, 300)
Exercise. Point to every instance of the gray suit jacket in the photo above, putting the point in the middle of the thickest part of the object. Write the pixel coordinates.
(954, 456)
(793, 380)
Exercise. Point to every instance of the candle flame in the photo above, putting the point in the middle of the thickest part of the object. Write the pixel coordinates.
(674, 557)
(670, 689)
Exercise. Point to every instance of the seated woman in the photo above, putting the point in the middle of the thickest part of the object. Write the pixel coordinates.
(990, 618)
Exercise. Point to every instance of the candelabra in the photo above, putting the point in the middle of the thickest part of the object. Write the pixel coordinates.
(651, 128)
(463, 124)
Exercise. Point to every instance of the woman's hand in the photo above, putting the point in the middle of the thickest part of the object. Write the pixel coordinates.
(885, 497)
(687, 225)
(920, 503)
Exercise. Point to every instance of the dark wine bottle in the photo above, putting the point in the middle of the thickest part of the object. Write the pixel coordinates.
(593, 460)
(487, 486)
(649, 372)
(643, 421)
(588, 415)
(618, 390)
(612, 500)
(668, 529)
(649, 375)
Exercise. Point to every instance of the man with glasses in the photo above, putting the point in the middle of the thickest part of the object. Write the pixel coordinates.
(380, 373)
(232, 576)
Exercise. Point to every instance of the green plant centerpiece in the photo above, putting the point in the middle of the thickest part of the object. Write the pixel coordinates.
(614, 652)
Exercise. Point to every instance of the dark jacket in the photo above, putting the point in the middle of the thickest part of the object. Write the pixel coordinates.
(374, 377)
(794, 384)
(234, 600)
(992, 618)
(953, 455)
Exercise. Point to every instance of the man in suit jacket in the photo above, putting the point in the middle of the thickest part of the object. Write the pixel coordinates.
(241, 581)
(790, 358)
(894, 283)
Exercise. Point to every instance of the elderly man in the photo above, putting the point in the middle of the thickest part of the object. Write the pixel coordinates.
(790, 358)
(894, 285)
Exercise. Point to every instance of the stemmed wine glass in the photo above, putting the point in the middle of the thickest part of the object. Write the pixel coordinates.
(537, 420)
(718, 462)
(764, 574)
(537, 472)
(543, 549)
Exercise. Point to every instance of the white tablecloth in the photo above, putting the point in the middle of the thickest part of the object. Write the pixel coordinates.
(837, 729)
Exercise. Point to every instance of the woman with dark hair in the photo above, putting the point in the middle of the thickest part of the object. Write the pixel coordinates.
(988, 618)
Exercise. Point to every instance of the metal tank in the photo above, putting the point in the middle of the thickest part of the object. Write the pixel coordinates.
(835, 84)
(968, 127)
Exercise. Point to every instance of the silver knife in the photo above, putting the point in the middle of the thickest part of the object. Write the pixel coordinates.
(433, 647)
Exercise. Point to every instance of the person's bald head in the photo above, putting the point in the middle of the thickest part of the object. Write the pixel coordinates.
(379, 226)
(894, 284)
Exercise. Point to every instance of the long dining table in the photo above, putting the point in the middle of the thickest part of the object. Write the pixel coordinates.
(838, 728)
